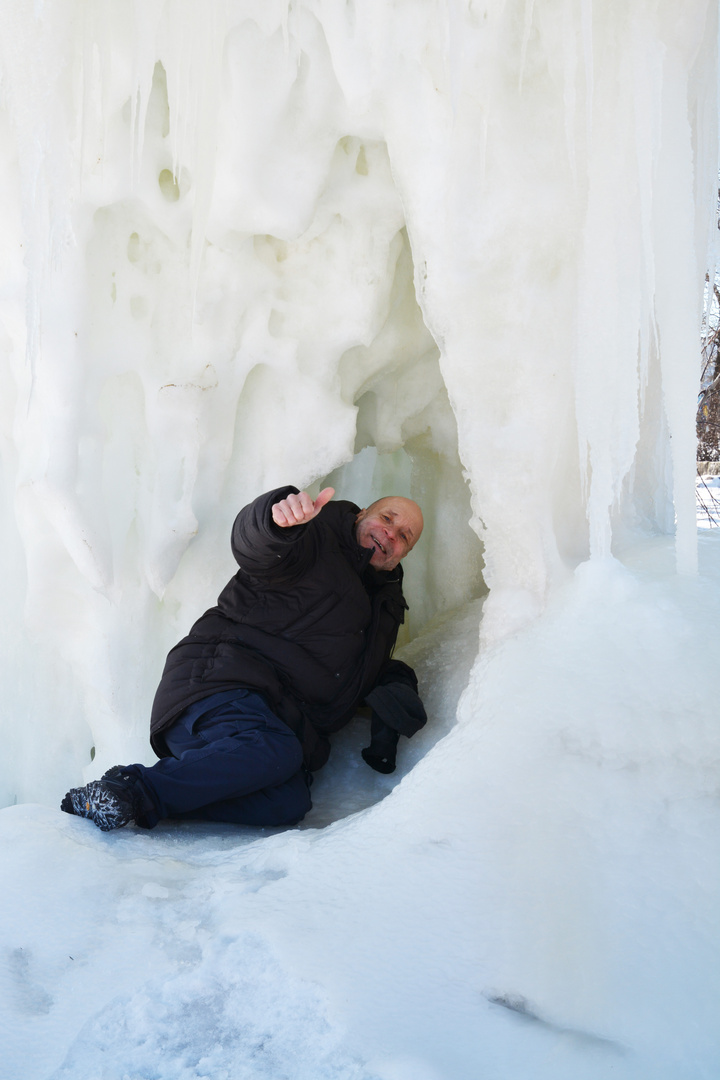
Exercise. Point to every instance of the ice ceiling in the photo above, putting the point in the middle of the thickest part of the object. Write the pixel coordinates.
(454, 250)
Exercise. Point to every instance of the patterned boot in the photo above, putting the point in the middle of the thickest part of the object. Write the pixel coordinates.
(109, 803)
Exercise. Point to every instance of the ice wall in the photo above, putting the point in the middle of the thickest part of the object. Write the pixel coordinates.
(451, 249)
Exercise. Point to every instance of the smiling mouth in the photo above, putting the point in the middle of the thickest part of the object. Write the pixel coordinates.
(377, 544)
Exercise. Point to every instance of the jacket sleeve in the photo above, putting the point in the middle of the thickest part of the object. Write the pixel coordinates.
(264, 549)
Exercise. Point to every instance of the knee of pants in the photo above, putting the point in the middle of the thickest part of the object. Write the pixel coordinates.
(300, 810)
(291, 806)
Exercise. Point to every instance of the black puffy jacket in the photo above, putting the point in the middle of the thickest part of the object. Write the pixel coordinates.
(306, 621)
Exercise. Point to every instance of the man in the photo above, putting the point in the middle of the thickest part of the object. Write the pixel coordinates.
(300, 636)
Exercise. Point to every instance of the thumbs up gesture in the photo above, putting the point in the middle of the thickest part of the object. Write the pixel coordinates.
(299, 509)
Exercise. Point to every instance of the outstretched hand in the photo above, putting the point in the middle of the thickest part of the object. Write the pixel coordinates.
(299, 509)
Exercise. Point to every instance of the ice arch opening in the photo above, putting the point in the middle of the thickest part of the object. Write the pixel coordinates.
(406, 443)
(368, 391)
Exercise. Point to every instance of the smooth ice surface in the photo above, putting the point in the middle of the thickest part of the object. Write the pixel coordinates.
(455, 250)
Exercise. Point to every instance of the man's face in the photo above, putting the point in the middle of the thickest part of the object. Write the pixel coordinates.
(390, 527)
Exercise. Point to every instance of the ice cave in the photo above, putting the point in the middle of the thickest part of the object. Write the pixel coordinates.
(450, 249)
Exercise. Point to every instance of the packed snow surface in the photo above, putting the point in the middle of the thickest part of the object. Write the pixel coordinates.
(451, 250)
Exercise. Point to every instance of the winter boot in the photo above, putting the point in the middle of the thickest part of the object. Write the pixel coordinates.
(109, 803)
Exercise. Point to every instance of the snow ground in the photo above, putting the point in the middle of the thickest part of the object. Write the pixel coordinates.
(535, 898)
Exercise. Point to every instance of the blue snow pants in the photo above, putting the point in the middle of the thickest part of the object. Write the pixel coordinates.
(232, 760)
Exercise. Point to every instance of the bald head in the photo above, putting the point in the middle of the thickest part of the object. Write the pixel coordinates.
(390, 527)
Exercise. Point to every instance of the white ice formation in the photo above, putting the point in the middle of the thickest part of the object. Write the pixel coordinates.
(408, 245)
(449, 248)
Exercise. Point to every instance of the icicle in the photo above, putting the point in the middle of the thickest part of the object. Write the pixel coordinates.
(147, 15)
(676, 302)
(586, 24)
(570, 75)
(527, 27)
(647, 74)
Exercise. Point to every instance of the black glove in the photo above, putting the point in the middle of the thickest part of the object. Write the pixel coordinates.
(398, 707)
(380, 754)
(396, 710)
